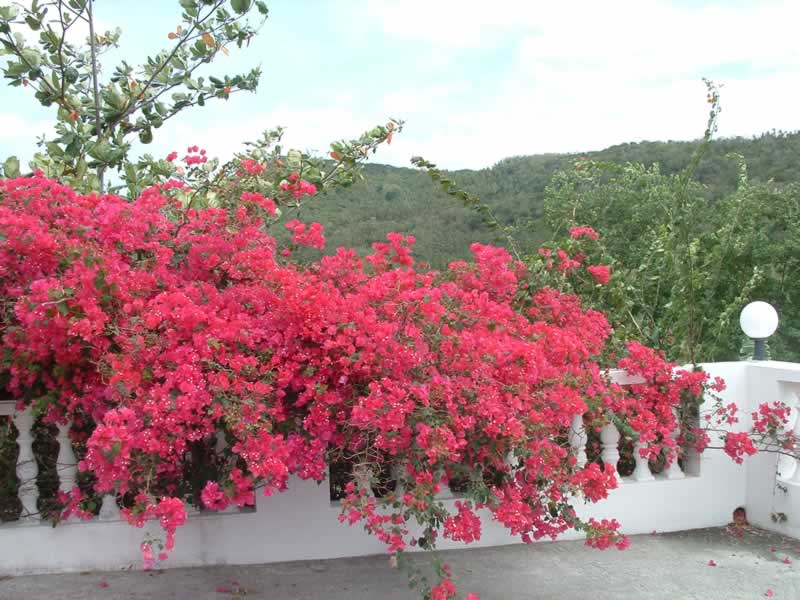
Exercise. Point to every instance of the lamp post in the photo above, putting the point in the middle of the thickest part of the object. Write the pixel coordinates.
(759, 320)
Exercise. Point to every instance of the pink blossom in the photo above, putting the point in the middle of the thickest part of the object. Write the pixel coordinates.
(601, 273)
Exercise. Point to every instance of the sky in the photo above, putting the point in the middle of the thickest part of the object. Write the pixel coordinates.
(475, 81)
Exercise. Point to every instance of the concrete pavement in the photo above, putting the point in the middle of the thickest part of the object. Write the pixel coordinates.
(671, 566)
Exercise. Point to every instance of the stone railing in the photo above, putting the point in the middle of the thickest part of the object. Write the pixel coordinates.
(302, 522)
(27, 469)
(610, 438)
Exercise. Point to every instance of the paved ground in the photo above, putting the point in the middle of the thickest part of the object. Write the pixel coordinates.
(669, 567)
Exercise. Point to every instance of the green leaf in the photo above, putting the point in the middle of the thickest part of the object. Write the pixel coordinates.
(16, 68)
(11, 166)
(240, 6)
(100, 150)
(54, 150)
(294, 158)
(32, 57)
(190, 6)
(71, 74)
(8, 13)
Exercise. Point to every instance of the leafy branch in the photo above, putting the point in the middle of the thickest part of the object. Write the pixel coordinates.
(504, 233)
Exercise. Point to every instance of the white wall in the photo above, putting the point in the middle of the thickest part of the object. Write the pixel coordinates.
(767, 492)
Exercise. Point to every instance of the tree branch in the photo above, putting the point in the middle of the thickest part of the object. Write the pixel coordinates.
(95, 90)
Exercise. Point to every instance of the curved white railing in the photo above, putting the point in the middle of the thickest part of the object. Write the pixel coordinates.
(302, 522)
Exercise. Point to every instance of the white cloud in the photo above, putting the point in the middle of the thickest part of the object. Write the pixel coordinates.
(307, 129)
(18, 135)
(586, 75)
(519, 77)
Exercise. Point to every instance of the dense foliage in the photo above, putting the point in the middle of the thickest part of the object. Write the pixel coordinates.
(688, 264)
(401, 199)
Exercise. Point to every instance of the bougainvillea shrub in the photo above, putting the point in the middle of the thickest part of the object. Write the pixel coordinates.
(164, 330)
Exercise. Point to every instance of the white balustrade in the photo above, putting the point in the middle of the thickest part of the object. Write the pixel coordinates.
(362, 475)
(641, 471)
(219, 447)
(512, 461)
(27, 469)
(109, 510)
(399, 490)
(577, 440)
(66, 463)
(674, 470)
(444, 488)
(220, 442)
(609, 436)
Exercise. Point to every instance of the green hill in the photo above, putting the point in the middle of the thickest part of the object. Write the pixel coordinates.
(405, 200)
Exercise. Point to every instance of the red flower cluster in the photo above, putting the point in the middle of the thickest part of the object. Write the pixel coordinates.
(738, 445)
(583, 232)
(601, 273)
(195, 156)
(252, 167)
(307, 235)
(603, 534)
(298, 187)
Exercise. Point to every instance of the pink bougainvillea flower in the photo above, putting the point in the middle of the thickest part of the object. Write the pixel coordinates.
(586, 232)
(252, 167)
(712, 563)
(787, 560)
(601, 273)
(148, 560)
(103, 584)
(769, 593)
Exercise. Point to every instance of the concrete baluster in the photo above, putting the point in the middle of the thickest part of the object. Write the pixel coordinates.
(399, 490)
(674, 470)
(577, 440)
(609, 436)
(362, 475)
(444, 488)
(66, 463)
(27, 469)
(220, 443)
(641, 471)
(109, 511)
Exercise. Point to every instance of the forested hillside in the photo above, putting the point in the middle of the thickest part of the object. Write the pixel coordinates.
(405, 200)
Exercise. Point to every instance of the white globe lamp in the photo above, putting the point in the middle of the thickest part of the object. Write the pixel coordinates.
(759, 320)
